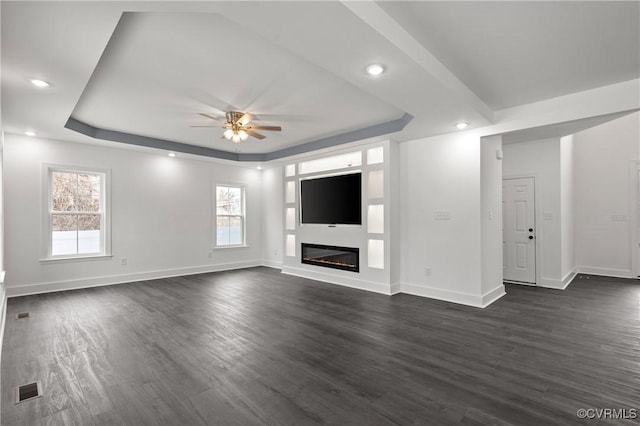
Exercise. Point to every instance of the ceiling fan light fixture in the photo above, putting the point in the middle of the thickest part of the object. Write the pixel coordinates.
(243, 135)
(228, 134)
(236, 138)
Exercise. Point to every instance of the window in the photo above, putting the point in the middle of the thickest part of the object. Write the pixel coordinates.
(77, 215)
(229, 216)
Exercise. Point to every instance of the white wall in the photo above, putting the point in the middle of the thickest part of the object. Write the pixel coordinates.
(161, 215)
(541, 159)
(567, 239)
(441, 173)
(491, 216)
(272, 216)
(3, 292)
(606, 186)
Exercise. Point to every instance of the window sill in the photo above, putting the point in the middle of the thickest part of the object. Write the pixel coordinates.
(230, 247)
(76, 258)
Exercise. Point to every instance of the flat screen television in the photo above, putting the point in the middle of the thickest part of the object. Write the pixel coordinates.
(332, 200)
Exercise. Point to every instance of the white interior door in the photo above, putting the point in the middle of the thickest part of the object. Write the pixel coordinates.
(518, 233)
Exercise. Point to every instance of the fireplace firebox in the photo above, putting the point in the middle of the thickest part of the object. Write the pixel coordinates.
(345, 258)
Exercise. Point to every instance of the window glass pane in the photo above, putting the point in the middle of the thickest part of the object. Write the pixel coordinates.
(89, 233)
(229, 212)
(228, 200)
(88, 199)
(223, 200)
(64, 187)
(235, 230)
(222, 227)
(64, 235)
(236, 200)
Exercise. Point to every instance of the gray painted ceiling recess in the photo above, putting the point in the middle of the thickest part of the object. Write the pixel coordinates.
(140, 73)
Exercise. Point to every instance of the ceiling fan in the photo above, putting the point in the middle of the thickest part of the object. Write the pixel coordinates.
(237, 126)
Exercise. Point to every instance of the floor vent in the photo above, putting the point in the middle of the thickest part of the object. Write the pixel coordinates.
(28, 392)
(22, 315)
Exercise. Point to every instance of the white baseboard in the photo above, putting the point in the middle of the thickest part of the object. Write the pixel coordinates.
(551, 283)
(396, 288)
(339, 280)
(441, 294)
(272, 264)
(519, 283)
(558, 284)
(606, 272)
(25, 290)
(493, 295)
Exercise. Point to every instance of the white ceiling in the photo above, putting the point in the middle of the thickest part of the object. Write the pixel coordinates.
(516, 52)
(148, 68)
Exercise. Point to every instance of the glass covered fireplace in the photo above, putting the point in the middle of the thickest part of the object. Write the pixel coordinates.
(345, 258)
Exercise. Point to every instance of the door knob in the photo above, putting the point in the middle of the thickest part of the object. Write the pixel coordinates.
(530, 229)
(531, 237)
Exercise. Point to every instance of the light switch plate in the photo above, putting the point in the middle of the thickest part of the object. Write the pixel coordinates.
(442, 215)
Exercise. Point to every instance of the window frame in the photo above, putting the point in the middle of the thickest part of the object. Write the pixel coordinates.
(47, 216)
(242, 216)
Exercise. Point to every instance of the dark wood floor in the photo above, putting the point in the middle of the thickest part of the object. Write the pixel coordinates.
(257, 347)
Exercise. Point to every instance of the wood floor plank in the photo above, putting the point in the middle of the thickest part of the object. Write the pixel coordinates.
(254, 346)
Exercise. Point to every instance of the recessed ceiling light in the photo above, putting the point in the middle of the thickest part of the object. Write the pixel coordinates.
(375, 69)
(259, 168)
(39, 83)
(30, 133)
(172, 154)
(462, 125)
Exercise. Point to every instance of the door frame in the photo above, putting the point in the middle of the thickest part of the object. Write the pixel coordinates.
(537, 214)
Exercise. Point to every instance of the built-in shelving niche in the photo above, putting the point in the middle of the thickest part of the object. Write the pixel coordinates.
(372, 238)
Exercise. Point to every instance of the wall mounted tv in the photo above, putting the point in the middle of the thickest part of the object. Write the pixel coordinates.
(332, 200)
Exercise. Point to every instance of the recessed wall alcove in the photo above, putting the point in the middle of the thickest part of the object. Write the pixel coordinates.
(372, 240)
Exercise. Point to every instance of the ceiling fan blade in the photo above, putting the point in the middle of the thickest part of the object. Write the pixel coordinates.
(274, 128)
(212, 117)
(206, 126)
(245, 119)
(255, 134)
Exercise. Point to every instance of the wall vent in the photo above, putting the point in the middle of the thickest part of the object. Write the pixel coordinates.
(22, 315)
(27, 392)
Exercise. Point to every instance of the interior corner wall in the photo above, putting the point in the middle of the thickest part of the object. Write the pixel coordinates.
(440, 257)
(567, 183)
(606, 193)
(491, 217)
(272, 217)
(541, 159)
(161, 216)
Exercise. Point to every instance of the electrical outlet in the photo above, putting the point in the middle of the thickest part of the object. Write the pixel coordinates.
(427, 272)
(547, 216)
(123, 261)
(275, 252)
(210, 254)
